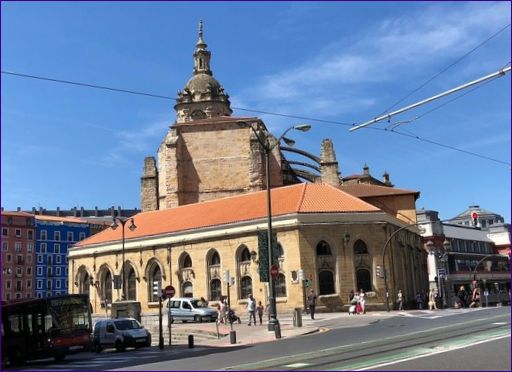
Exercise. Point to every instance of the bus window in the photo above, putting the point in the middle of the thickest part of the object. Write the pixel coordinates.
(29, 324)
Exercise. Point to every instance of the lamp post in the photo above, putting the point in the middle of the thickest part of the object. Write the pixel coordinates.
(442, 256)
(122, 221)
(267, 148)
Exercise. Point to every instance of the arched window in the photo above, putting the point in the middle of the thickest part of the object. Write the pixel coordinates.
(132, 284)
(280, 251)
(245, 255)
(364, 280)
(215, 290)
(188, 290)
(280, 283)
(155, 275)
(107, 287)
(187, 261)
(360, 247)
(84, 284)
(323, 249)
(245, 286)
(326, 282)
(214, 259)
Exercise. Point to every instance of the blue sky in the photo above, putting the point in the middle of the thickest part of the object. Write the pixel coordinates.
(347, 62)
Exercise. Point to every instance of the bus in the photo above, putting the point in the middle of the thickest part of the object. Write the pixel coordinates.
(45, 327)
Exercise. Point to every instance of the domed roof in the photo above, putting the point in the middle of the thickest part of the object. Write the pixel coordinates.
(203, 83)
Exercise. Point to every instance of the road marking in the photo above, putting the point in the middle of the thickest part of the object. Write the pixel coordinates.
(297, 365)
(499, 323)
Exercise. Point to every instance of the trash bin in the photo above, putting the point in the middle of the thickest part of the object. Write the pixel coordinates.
(297, 317)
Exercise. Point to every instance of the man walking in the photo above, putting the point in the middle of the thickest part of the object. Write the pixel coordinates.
(312, 303)
(251, 308)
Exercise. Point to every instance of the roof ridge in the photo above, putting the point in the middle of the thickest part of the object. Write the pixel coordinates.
(302, 197)
(354, 197)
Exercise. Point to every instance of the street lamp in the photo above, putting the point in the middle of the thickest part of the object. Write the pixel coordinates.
(114, 225)
(267, 148)
(442, 256)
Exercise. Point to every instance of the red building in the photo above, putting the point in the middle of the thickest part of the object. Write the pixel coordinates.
(18, 251)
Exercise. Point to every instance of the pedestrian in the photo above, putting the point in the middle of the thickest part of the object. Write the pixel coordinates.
(463, 297)
(400, 300)
(251, 308)
(362, 301)
(260, 308)
(351, 295)
(432, 299)
(475, 297)
(419, 300)
(312, 303)
(223, 311)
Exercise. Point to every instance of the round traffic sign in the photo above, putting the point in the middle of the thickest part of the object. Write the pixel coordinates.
(274, 270)
(169, 291)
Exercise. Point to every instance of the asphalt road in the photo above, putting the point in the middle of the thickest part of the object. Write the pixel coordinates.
(478, 339)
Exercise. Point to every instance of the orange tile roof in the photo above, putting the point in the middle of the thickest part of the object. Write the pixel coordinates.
(17, 214)
(300, 198)
(42, 217)
(362, 190)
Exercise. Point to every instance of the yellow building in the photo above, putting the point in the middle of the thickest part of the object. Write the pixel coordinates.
(336, 238)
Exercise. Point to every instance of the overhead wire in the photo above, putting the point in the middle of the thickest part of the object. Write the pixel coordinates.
(446, 68)
(151, 95)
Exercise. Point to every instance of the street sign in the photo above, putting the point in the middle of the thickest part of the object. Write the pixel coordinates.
(274, 270)
(441, 272)
(307, 283)
(169, 291)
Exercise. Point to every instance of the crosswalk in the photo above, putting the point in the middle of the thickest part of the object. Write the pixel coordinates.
(92, 361)
(435, 314)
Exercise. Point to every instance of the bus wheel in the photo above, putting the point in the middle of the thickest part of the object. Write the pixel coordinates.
(60, 357)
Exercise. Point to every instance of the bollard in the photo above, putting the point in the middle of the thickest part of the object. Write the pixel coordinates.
(232, 337)
(190, 341)
(277, 329)
(297, 317)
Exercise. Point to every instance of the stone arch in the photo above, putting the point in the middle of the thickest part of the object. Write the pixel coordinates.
(325, 263)
(185, 261)
(154, 273)
(364, 280)
(360, 247)
(243, 253)
(84, 279)
(106, 283)
(213, 267)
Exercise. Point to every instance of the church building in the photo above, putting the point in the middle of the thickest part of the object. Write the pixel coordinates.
(203, 202)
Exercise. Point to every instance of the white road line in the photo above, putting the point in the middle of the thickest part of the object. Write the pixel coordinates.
(434, 352)
(297, 365)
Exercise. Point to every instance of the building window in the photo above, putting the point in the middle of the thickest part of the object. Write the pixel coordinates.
(18, 233)
(326, 282)
(81, 236)
(7, 284)
(19, 259)
(215, 290)
(5, 231)
(280, 283)
(19, 271)
(58, 293)
(18, 296)
(43, 235)
(39, 271)
(43, 247)
(29, 270)
(48, 271)
(364, 280)
(56, 248)
(132, 284)
(9, 257)
(58, 259)
(155, 275)
(56, 235)
(57, 271)
(57, 284)
(49, 260)
(19, 285)
(245, 256)
(29, 295)
(360, 247)
(29, 283)
(8, 296)
(323, 249)
(29, 258)
(30, 247)
(17, 247)
(49, 285)
(30, 234)
(187, 262)
(70, 236)
(245, 286)
(5, 246)
(188, 289)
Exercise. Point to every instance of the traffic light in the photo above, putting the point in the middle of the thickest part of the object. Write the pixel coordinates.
(379, 271)
(157, 288)
(301, 274)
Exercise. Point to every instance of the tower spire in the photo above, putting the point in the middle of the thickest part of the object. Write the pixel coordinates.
(200, 42)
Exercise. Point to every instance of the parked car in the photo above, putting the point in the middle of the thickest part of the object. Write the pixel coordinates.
(190, 309)
(120, 333)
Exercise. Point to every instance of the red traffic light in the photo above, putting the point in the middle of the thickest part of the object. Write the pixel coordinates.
(474, 215)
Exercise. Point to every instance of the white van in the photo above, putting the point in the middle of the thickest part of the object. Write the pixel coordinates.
(190, 309)
(120, 333)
